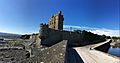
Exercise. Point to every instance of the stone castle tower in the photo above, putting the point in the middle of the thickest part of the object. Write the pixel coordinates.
(56, 21)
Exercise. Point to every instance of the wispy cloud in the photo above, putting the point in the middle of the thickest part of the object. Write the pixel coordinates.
(17, 32)
(100, 31)
(67, 27)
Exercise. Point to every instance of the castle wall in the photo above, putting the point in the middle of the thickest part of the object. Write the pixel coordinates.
(54, 36)
(74, 38)
(52, 33)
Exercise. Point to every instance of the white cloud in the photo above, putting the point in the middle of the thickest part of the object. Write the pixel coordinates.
(100, 31)
(68, 27)
(16, 31)
(106, 32)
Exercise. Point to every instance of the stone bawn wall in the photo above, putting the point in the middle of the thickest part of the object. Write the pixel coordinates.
(53, 54)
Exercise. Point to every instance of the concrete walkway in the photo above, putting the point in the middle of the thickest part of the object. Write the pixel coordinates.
(95, 56)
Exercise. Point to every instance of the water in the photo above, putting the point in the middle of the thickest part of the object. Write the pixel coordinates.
(114, 51)
(8, 39)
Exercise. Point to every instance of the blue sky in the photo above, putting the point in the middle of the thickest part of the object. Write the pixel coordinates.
(24, 16)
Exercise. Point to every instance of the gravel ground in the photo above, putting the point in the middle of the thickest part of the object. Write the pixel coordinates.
(13, 55)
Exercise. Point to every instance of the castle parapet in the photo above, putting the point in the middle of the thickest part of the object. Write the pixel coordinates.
(43, 32)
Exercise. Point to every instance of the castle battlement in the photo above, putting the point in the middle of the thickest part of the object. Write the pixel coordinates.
(56, 21)
(41, 25)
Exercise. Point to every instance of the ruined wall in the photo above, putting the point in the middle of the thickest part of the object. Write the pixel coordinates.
(38, 41)
(33, 38)
(53, 54)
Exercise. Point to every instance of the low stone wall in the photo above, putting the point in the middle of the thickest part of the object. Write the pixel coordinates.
(53, 54)
(103, 47)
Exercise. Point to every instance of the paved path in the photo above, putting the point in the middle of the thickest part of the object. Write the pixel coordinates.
(94, 56)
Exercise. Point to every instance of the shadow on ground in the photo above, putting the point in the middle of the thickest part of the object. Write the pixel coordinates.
(73, 56)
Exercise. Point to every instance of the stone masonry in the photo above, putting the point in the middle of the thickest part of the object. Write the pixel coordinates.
(56, 21)
(52, 33)
(53, 54)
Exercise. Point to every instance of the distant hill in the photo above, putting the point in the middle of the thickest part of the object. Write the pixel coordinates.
(9, 34)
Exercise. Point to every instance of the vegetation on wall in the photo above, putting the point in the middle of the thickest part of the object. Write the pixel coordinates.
(90, 37)
(115, 37)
